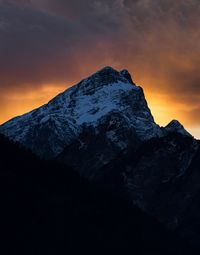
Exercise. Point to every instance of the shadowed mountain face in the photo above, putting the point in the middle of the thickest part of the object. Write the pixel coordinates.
(103, 129)
(161, 177)
(49, 209)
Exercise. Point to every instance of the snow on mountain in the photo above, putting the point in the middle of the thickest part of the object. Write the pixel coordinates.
(50, 128)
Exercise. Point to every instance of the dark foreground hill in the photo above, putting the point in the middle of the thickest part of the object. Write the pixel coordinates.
(48, 209)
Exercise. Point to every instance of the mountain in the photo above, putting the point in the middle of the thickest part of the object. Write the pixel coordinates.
(47, 208)
(107, 98)
(106, 109)
(103, 129)
(176, 127)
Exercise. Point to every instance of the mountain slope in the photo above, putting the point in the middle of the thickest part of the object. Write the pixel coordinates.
(49, 209)
(162, 178)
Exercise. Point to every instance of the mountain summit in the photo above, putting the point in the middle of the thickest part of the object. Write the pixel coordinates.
(107, 98)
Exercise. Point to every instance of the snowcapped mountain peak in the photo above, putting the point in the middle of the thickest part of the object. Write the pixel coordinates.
(107, 98)
(177, 127)
(103, 77)
(107, 73)
(108, 70)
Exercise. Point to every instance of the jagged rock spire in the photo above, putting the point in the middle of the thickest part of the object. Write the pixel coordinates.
(177, 127)
(127, 75)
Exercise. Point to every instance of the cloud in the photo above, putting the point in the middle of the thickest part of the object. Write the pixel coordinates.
(52, 41)
(34, 46)
(38, 46)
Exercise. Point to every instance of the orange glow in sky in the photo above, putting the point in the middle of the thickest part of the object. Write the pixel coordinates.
(161, 107)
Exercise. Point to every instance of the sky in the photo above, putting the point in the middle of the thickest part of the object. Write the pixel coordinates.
(47, 46)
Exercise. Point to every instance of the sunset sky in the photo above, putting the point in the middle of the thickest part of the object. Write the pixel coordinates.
(49, 45)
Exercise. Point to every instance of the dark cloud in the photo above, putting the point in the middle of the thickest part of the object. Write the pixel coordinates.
(34, 46)
(39, 46)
